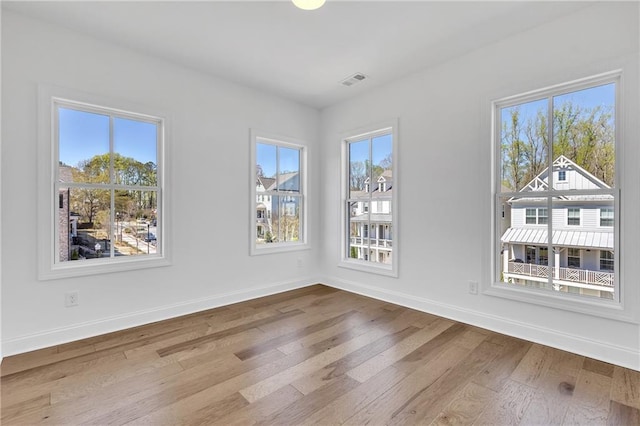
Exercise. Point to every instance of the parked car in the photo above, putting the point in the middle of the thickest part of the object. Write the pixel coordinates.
(149, 237)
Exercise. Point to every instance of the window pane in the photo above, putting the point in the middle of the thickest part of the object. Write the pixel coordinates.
(264, 233)
(577, 266)
(524, 253)
(524, 151)
(359, 180)
(358, 229)
(382, 161)
(266, 161)
(289, 171)
(584, 131)
(606, 215)
(287, 220)
(83, 146)
(573, 216)
(136, 231)
(84, 228)
(543, 218)
(531, 216)
(135, 152)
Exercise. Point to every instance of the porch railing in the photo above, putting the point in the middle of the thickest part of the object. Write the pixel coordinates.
(584, 276)
(375, 242)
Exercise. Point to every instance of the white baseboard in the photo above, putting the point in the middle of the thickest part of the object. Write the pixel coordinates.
(87, 329)
(623, 356)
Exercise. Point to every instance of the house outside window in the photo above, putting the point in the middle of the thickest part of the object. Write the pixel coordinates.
(369, 200)
(573, 217)
(573, 257)
(606, 217)
(606, 261)
(537, 140)
(108, 193)
(279, 195)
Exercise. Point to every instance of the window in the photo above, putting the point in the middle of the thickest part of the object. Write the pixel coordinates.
(107, 195)
(543, 216)
(606, 217)
(541, 139)
(369, 212)
(606, 261)
(573, 257)
(532, 217)
(536, 216)
(278, 167)
(573, 217)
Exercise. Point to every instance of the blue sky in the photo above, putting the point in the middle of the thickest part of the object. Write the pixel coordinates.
(266, 158)
(382, 147)
(82, 135)
(587, 99)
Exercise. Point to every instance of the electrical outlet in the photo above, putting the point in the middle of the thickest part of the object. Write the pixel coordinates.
(71, 299)
(299, 262)
(473, 287)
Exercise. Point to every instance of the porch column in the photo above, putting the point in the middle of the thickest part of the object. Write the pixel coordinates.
(505, 259)
(556, 267)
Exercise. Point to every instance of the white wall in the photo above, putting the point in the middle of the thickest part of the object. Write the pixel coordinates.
(444, 154)
(208, 149)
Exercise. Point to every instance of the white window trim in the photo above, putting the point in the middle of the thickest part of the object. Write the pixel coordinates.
(47, 209)
(287, 142)
(614, 309)
(384, 127)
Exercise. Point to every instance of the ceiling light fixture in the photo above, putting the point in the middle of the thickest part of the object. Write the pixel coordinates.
(308, 4)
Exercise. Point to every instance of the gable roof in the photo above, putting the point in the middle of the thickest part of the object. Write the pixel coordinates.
(541, 182)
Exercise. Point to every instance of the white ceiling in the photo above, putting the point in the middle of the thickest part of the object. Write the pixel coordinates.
(301, 55)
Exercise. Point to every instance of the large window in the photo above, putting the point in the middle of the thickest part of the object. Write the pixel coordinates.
(557, 148)
(278, 194)
(369, 203)
(106, 193)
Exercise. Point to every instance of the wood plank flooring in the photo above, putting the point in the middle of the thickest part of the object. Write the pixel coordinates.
(315, 355)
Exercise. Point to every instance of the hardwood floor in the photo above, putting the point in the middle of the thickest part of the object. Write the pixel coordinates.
(316, 355)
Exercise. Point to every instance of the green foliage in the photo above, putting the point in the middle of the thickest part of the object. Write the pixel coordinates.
(127, 171)
(584, 135)
(354, 253)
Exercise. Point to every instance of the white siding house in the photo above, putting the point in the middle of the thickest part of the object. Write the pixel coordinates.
(582, 241)
(371, 233)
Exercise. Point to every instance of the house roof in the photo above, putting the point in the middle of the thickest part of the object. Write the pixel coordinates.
(586, 239)
(541, 182)
(266, 182)
(65, 173)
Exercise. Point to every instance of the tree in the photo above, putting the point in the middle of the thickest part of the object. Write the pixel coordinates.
(514, 167)
(357, 175)
(583, 135)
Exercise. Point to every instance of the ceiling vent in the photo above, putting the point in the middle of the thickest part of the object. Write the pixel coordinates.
(356, 78)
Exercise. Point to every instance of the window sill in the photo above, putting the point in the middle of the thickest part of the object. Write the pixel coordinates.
(278, 248)
(86, 268)
(610, 309)
(370, 267)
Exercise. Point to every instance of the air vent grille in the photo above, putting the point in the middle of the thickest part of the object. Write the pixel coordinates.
(355, 78)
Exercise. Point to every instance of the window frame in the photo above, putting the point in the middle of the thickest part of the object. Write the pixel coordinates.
(608, 308)
(573, 218)
(381, 128)
(258, 136)
(49, 268)
(600, 218)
